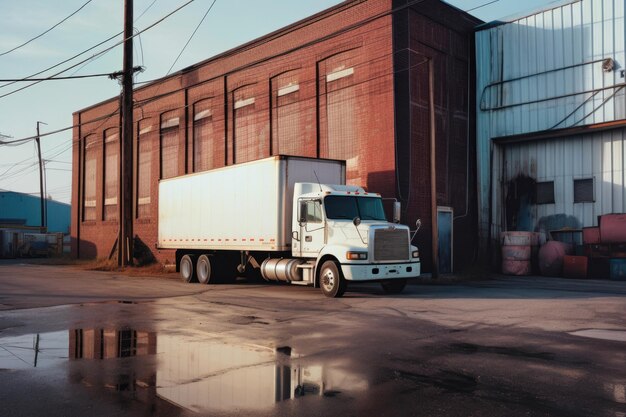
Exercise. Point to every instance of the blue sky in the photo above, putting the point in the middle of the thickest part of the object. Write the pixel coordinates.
(230, 23)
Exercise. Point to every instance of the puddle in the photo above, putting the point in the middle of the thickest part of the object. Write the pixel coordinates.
(34, 350)
(445, 380)
(469, 348)
(196, 373)
(614, 335)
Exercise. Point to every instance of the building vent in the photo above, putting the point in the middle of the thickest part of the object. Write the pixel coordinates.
(545, 192)
(583, 190)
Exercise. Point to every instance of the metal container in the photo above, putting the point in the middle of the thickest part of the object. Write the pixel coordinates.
(516, 253)
(591, 235)
(519, 238)
(618, 269)
(575, 266)
(613, 228)
(278, 269)
(510, 267)
(551, 257)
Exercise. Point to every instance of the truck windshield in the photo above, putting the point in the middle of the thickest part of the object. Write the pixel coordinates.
(348, 207)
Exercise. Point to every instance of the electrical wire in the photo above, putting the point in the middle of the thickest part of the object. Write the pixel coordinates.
(191, 37)
(98, 53)
(481, 6)
(69, 77)
(46, 31)
(119, 33)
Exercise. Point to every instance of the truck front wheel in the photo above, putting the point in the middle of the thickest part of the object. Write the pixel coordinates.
(332, 282)
(188, 268)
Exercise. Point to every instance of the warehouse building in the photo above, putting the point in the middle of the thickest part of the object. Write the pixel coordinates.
(551, 119)
(348, 83)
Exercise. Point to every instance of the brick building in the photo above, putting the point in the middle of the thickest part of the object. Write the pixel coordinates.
(348, 83)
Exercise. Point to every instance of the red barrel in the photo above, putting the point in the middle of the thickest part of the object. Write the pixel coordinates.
(510, 267)
(613, 228)
(575, 266)
(591, 235)
(517, 252)
(551, 257)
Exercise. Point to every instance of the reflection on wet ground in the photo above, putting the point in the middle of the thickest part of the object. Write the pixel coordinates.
(190, 372)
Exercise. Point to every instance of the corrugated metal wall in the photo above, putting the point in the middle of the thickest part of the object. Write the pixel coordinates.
(599, 156)
(544, 72)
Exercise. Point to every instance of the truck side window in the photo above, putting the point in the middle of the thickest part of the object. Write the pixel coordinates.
(313, 211)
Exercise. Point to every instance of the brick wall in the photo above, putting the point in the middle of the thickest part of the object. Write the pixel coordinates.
(323, 87)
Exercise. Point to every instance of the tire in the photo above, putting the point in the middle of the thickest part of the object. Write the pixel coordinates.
(332, 282)
(205, 269)
(394, 286)
(188, 268)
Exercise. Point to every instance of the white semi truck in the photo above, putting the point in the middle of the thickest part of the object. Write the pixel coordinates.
(292, 219)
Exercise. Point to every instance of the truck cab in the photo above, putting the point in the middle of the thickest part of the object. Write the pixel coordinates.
(343, 232)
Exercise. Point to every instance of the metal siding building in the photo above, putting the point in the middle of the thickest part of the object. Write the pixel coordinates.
(550, 113)
(25, 210)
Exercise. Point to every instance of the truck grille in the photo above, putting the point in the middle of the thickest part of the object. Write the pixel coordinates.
(391, 245)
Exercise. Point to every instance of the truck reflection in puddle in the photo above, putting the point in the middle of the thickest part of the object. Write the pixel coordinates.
(189, 372)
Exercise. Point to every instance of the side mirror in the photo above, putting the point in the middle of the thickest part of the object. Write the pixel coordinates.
(356, 221)
(294, 236)
(418, 224)
(397, 211)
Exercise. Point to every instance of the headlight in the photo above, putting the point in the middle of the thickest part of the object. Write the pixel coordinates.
(416, 254)
(356, 256)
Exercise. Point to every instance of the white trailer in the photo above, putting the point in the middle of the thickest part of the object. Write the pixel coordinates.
(242, 216)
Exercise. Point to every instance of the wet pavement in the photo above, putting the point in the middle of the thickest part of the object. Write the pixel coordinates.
(82, 343)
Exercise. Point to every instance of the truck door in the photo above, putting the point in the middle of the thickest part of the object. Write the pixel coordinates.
(312, 230)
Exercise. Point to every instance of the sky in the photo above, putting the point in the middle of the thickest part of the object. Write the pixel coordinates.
(229, 23)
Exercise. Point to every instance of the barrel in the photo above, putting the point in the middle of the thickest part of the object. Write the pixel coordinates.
(517, 252)
(551, 257)
(613, 228)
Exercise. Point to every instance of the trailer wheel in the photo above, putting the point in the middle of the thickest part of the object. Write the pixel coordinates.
(205, 269)
(332, 282)
(394, 286)
(188, 268)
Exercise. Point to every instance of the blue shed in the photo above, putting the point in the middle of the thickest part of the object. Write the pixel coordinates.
(17, 209)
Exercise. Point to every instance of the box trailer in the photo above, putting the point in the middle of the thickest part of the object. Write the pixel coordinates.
(292, 219)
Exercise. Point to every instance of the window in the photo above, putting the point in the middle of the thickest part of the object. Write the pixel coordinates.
(344, 96)
(202, 136)
(144, 168)
(246, 142)
(545, 192)
(89, 177)
(340, 108)
(312, 211)
(287, 115)
(366, 208)
(169, 144)
(111, 169)
(583, 190)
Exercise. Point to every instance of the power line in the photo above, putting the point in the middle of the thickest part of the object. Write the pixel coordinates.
(119, 33)
(191, 37)
(69, 77)
(48, 30)
(96, 54)
(482, 5)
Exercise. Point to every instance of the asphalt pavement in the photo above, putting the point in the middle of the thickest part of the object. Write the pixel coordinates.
(76, 342)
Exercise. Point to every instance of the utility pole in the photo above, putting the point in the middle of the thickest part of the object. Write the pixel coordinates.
(41, 191)
(433, 170)
(125, 236)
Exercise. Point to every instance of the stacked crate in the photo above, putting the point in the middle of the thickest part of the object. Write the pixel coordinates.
(605, 247)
